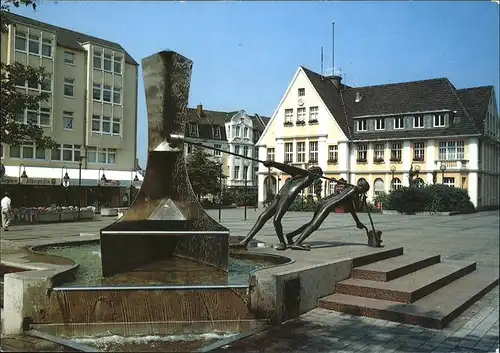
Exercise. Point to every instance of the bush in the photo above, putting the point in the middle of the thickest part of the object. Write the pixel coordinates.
(370, 207)
(303, 204)
(429, 198)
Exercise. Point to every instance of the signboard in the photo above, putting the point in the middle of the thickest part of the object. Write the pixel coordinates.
(110, 183)
(41, 181)
(10, 180)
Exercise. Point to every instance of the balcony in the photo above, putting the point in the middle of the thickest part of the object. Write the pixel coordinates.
(455, 164)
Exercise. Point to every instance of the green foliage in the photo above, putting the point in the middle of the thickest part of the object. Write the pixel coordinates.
(303, 204)
(383, 198)
(204, 173)
(251, 199)
(14, 101)
(318, 187)
(429, 198)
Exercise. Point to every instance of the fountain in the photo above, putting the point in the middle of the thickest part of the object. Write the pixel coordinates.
(166, 278)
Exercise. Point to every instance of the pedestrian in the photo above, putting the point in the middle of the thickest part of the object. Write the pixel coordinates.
(6, 211)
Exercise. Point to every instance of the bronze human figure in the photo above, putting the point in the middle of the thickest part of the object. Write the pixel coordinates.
(352, 198)
(300, 180)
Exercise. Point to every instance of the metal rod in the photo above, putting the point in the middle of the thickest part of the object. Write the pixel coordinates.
(220, 192)
(161, 287)
(245, 213)
(333, 48)
(61, 341)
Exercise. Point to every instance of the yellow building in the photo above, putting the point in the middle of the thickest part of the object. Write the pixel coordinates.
(380, 132)
(91, 112)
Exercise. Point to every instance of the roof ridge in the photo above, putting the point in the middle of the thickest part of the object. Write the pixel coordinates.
(477, 87)
(345, 114)
(467, 115)
(399, 83)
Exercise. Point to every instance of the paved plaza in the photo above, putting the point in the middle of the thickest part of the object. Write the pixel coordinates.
(463, 237)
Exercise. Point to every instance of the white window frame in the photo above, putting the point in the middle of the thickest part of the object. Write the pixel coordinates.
(75, 153)
(313, 151)
(362, 152)
(270, 154)
(25, 146)
(380, 124)
(361, 125)
(399, 123)
(301, 92)
(107, 89)
(69, 58)
(451, 150)
(40, 86)
(21, 35)
(396, 183)
(313, 114)
(237, 150)
(418, 119)
(97, 54)
(69, 83)
(379, 151)
(117, 95)
(419, 151)
(288, 115)
(217, 153)
(449, 181)
(245, 132)
(106, 125)
(237, 132)
(46, 43)
(439, 120)
(396, 152)
(245, 151)
(301, 114)
(245, 172)
(301, 152)
(288, 152)
(68, 117)
(375, 191)
(107, 59)
(117, 60)
(108, 153)
(236, 172)
(333, 153)
(41, 111)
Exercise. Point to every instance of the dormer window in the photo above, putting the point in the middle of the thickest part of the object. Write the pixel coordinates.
(399, 123)
(380, 124)
(361, 125)
(302, 92)
(439, 120)
(418, 121)
(193, 129)
(216, 132)
(237, 133)
(245, 132)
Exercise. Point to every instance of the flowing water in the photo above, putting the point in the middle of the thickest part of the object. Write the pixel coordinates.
(174, 271)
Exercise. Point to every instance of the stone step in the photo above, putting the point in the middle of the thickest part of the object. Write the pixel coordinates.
(395, 267)
(409, 288)
(376, 254)
(436, 310)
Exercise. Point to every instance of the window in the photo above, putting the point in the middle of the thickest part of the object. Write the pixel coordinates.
(237, 133)
(96, 91)
(256, 152)
(451, 150)
(117, 126)
(27, 150)
(449, 181)
(439, 120)
(301, 152)
(418, 151)
(106, 93)
(418, 121)
(313, 114)
(379, 152)
(47, 47)
(245, 132)
(378, 187)
(255, 174)
(40, 117)
(399, 123)
(380, 124)
(107, 62)
(117, 64)
(236, 174)
(69, 87)
(21, 41)
(270, 154)
(313, 152)
(34, 44)
(216, 132)
(105, 125)
(301, 115)
(97, 59)
(396, 184)
(237, 149)
(245, 151)
(396, 152)
(101, 155)
(69, 58)
(288, 116)
(193, 129)
(362, 152)
(331, 187)
(67, 120)
(45, 84)
(333, 153)
(245, 173)
(361, 124)
(302, 92)
(117, 95)
(190, 149)
(70, 153)
(288, 152)
(217, 153)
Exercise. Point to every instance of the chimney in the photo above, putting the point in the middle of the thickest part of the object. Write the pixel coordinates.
(358, 97)
(336, 81)
(199, 109)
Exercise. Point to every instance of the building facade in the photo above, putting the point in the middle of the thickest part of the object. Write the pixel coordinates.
(380, 133)
(91, 112)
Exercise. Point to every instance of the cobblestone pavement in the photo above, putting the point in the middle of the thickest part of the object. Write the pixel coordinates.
(322, 331)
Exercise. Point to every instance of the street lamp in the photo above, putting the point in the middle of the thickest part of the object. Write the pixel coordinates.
(417, 170)
(245, 190)
(65, 184)
(80, 159)
(102, 176)
(136, 179)
(23, 178)
(443, 168)
(393, 170)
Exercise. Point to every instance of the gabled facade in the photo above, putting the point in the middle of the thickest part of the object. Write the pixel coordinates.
(379, 132)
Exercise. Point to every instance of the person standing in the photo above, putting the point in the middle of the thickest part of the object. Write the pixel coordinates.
(6, 211)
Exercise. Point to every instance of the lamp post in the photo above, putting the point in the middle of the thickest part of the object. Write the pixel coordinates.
(393, 170)
(220, 191)
(23, 178)
(100, 177)
(80, 185)
(65, 183)
(136, 179)
(417, 170)
(443, 168)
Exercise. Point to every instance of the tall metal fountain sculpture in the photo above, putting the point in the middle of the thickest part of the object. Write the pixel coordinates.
(165, 218)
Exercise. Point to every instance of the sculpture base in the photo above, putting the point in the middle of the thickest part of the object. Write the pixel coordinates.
(135, 244)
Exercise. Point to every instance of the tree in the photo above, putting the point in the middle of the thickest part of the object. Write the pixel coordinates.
(318, 187)
(13, 101)
(204, 174)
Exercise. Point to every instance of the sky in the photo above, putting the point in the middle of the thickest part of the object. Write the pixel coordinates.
(246, 53)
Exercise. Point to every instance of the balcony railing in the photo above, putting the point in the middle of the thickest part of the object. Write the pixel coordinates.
(455, 164)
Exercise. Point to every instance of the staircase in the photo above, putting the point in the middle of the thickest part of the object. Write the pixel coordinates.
(417, 289)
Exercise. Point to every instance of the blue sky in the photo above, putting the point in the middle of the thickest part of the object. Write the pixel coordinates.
(245, 53)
